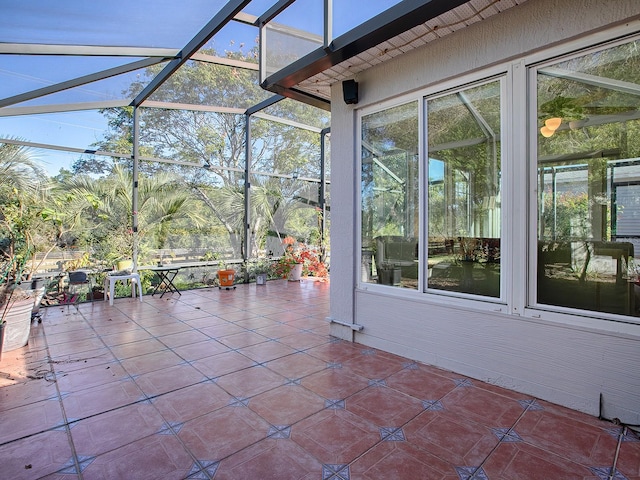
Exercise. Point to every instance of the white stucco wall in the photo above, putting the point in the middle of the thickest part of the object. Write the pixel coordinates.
(560, 358)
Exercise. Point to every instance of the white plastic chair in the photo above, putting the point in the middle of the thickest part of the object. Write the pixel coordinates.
(134, 278)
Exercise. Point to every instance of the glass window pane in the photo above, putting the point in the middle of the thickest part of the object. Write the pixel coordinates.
(235, 40)
(23, 73)
(464, 227)
(203, 83)
(297, 31)
(119, 87)
(346, 17)
(81, 129)
(390, 197)
(117, 22)
(588, 137)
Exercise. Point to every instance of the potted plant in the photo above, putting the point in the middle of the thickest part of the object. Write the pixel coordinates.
(226, 275)
(21, 194)
(261, 268)
(299, 259)
(16, 306)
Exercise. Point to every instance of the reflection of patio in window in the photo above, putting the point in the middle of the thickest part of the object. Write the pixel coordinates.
(464, 228)
(588, 231)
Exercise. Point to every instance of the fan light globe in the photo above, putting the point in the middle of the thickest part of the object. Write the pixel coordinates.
(546, 132)
(553, 123)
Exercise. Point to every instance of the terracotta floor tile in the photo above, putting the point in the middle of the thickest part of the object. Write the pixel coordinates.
(80, 360)
(29, 419)
(297, 365)
(277, 330)
(26, 392)
(242, 339)
(256, 323)
(266, 351)
(263, 310)
(160, 397)
(21, 365)
(138, 348)
(308, 323)
(222, 330)
(521, 461)
(150, 362)
(335, 436)
(204, 322)
(580, 442)
(383, 406)
(101, 398)
(221, 433)
(162, 330)
(401, 460)
(371, 364)
(75, 346)
(36, 456)
(482, 406)
(110, 430)
(112, 327)
(420, 383)
(239, 317)
(335, 383)
(77, 380)
(303, 340)
(198, 350)
(191, 402)
(287, 404)
(168, 379)
(193, 314)
(277, 459)
(80, 334)
(183, 338)
(127, 336)
(222, 364)
(285, 316)
(250, 381)
(454, 439)
(629, 458)
(159, 323)
(337, 351)
(150, 458)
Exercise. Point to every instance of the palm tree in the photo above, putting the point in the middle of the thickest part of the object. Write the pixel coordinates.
(163, 202)
(22, 192)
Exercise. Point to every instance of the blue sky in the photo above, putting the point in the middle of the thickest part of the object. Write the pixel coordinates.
(121, 23)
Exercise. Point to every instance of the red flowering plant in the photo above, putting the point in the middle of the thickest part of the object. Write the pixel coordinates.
(296, 252)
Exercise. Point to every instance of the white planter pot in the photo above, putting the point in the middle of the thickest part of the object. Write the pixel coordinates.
(18, 318)
(295, 273)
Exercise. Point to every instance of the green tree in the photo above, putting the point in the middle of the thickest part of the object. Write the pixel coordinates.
(217, 141)
(163, 201)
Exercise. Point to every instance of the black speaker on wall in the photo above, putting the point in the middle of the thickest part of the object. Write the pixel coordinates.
(350, 91)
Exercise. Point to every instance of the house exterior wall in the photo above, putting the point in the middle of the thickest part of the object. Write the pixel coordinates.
(566, 359)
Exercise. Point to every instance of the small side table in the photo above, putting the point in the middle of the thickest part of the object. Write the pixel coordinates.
(165, 279)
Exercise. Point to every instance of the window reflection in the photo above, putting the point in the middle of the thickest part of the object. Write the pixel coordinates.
(464, 225)
(588, 181)
(390, 197)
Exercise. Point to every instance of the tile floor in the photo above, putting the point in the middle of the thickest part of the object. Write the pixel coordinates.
(248, 384)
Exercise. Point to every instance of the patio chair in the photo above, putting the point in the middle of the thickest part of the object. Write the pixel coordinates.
(77, 279)
(122, 275)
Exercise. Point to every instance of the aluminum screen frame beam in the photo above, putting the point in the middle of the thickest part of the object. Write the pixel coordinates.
(78, 81)
(392, 22)
(224, 16)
